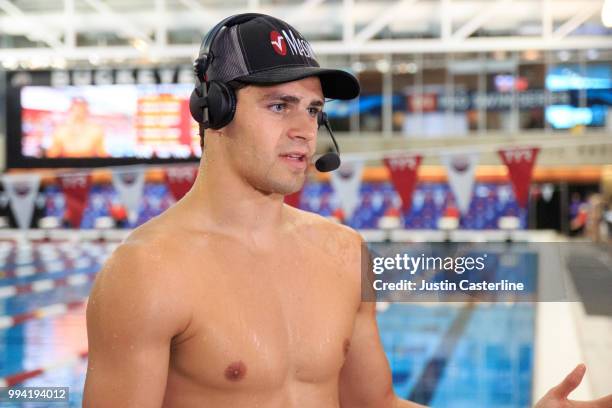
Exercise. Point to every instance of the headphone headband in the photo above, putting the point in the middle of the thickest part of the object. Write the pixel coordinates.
(203, 60)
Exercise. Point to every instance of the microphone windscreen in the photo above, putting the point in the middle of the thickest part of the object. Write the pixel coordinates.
(328, 162)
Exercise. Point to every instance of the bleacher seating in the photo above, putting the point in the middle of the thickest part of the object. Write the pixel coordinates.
(430, 200)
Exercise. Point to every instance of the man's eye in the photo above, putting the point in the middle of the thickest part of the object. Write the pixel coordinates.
(314, 111)
(278, 107)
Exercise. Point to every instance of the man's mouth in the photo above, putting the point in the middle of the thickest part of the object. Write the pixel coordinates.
(294, 156)
(297, 160)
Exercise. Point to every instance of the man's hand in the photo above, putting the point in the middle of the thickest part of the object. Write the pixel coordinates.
(557, 396)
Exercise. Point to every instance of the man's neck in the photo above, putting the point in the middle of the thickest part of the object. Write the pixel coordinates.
(223, 202)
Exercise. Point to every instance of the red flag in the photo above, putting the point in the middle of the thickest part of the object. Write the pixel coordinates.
(404, 172)
(76, 191)
(338, 213)
(520, 163)
(294, 198)
(180, 179)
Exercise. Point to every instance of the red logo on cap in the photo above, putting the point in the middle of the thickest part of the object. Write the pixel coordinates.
(278, 43)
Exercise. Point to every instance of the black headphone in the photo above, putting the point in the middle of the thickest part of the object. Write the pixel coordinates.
(213, 103)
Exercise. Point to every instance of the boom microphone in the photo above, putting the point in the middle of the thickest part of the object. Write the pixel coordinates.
(329, 161)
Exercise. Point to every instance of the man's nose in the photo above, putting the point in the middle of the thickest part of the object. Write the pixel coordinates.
(303, 126)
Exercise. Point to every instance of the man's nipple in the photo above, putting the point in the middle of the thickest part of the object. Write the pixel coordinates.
(236, 371)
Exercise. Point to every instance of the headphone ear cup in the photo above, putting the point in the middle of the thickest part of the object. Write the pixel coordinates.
(221, 104)
(195, 106)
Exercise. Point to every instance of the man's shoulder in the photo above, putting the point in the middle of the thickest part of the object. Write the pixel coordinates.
(322, 227)
(161, 234)
(338, 246)
(145, 259)
(141, 276)
(139, 289)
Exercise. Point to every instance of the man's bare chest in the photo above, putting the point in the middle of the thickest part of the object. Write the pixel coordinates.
(261, 320)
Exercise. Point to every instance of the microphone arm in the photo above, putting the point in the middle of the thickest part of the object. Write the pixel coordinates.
(330, 161)
(331, 134)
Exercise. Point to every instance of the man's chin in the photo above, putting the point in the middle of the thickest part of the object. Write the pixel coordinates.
(291, 186)
(284, 187)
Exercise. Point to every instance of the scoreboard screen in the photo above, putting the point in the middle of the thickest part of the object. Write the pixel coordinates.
(108, 121)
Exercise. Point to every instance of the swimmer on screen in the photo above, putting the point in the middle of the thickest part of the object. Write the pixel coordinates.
(78, 136)
(230, 298)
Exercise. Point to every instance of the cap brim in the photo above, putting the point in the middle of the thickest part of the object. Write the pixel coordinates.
(336, 84)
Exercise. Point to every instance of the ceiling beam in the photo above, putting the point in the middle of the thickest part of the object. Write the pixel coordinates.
(375, 47)
(348, 20)
(446, 22)
(301, 11)
(35, 29)
(382, 20)
(127, 26)
(479, 19)
(577, 20)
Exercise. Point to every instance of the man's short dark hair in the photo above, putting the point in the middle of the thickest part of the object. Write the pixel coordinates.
(235, 85)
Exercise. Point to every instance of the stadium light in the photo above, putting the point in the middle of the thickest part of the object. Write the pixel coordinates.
(606, 13)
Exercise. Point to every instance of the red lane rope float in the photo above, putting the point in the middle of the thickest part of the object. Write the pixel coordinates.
(18, 378)
(44, 285)
(50, 267)
(46, 311)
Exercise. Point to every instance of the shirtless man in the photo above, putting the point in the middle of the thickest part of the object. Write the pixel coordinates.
(78, 136)
(232, 298)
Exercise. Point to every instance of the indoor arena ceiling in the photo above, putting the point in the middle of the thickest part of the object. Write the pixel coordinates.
(158, 30)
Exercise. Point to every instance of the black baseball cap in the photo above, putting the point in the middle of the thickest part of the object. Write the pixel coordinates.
(265, 50)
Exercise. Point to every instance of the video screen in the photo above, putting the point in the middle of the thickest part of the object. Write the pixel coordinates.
(108, 121)
(571, 76)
